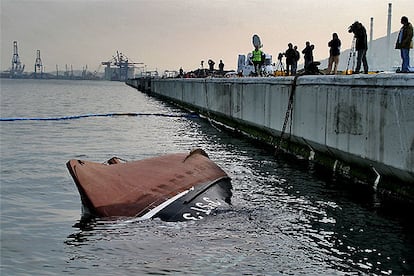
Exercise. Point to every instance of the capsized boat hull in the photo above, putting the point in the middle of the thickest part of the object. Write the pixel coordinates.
(173, 187)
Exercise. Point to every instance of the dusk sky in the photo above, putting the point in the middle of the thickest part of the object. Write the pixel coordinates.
(168, 34)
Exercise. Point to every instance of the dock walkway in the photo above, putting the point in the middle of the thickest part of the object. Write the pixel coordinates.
(360, 125)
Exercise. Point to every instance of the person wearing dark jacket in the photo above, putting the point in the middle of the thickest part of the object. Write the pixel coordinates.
(404, 43)
(290, 59)
(334, 52)
(361, 45)
(221, 67)
(295, 63)
(308, 55)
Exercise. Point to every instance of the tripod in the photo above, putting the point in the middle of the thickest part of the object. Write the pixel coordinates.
(280, 66)
(351, 54)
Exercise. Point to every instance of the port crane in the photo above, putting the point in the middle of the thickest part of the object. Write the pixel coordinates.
(38, 67)
(119, 67)
(17, 68)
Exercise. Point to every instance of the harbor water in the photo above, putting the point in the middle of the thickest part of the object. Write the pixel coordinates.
(287, 216)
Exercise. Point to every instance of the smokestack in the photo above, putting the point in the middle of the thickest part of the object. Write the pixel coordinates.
(370, 52)
(389, 20)
(371, 32)
(389, 36)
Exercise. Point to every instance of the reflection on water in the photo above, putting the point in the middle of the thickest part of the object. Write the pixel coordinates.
(287, 216)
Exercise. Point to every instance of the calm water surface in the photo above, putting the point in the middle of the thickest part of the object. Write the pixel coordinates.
(285, 219)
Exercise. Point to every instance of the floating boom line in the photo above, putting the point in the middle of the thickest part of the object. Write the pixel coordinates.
(74, 117)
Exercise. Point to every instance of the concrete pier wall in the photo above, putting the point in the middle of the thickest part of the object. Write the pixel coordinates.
(359, 121)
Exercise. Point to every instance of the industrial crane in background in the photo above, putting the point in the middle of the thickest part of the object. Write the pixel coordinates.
(17, 68)
(119, 68)
(38, 67)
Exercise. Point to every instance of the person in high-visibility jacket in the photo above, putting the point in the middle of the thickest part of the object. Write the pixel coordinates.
(258, 58)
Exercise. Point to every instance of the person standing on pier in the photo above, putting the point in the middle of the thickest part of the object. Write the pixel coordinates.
(258, 58)
(295, 62)
(334, 52)
(221, 67)
(290, 59)
(211, 65)
(404, 43)
(361, 45)
(308, 55)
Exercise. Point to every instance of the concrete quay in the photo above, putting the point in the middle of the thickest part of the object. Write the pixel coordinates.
(361, 126)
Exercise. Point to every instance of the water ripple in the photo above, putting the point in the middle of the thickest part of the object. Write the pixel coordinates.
(284, 219)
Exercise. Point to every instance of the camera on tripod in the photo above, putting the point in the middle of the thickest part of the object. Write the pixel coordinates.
(354, 27)
(280, 56)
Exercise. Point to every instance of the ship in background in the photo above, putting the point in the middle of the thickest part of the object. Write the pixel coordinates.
(381, 55)
(119, 68)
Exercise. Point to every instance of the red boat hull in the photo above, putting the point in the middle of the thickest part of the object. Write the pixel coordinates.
(134, 188)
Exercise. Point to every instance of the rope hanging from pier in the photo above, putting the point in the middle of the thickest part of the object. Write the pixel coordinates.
(288, 114)
(74, 117)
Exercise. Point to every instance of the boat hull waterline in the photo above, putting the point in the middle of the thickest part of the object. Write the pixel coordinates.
(172, 187)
